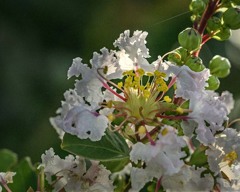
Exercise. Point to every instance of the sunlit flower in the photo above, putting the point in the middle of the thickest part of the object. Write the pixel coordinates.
(188, 179)
(161, 158)
(72, 174)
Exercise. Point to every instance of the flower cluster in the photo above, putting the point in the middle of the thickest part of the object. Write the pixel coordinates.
(131, 125)
(160, 109)
(72, 173)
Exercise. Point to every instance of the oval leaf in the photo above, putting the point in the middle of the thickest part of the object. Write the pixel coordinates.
(7, 159)
(112, 146)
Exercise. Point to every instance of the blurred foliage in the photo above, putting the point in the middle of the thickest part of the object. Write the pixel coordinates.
(39, 39)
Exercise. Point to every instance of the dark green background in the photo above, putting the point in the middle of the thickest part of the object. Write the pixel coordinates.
(39, 39)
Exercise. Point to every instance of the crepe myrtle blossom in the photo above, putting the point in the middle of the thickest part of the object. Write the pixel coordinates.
(224, 156)
(121, 83)
(188, 82)
(79, 119)
(209, 111)
(72, 174)
(5, 178)
(161, 158)
(189, 178)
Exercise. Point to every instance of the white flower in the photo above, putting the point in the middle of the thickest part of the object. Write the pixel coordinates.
(188, 179)
(72, 174)
(85, 124)
(71, 99)
(209, 113)
(7, 177)
(225, 185)
(227, 98)
(90, 87)
(76, 69)
(188, 81)
(225, 153)
(134, 46)
(133, 51)
(108, 64)
(163, 158)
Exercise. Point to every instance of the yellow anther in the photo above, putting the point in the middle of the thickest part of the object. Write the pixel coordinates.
(141, 130)
(111, 117)
(109, 104)
(140, 71)
(137, 79)
(167, 99)
(162, 88)
(105, 70)
(180, 110)
(120, 85)
(146, 93)
(141, 87)
(164, 131)
(232, 156)
(159, 74)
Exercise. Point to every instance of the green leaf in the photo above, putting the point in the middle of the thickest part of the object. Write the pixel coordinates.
(199, 157)
(7, 159)
(115, 165)
(112, 147)
(25, 176)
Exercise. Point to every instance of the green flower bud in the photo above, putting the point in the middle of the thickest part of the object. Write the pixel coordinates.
(213, 83)
(197, 6)
(183, 52)
(175, 57)
(178, 56)
(195, 64)
(190, 39)
(223, 34)
(219, 66)
(231, 18)
(214, 24)
(236, 2)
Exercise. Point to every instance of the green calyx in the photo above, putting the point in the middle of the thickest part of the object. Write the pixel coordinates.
(213, 83)
(231, 18)
(190, 39)
(197, 6)
(195, 64)
(219, 66)
(178, 56)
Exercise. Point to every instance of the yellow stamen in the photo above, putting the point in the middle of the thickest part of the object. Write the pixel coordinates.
(167, 99)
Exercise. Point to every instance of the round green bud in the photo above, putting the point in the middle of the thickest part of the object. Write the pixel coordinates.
(178, 56)
(214, 24)
(223, 34)
(195, 64)
(213, 83)
(175, 57)
(197, 6)
(219, 66)
(190, 39)
(231, 18)
(183, 52)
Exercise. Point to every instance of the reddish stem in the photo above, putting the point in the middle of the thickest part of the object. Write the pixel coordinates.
(158, 185)
(150, 138)
(209, 11)
(112, 91)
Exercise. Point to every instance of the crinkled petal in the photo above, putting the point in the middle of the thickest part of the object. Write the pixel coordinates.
(85, 124)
